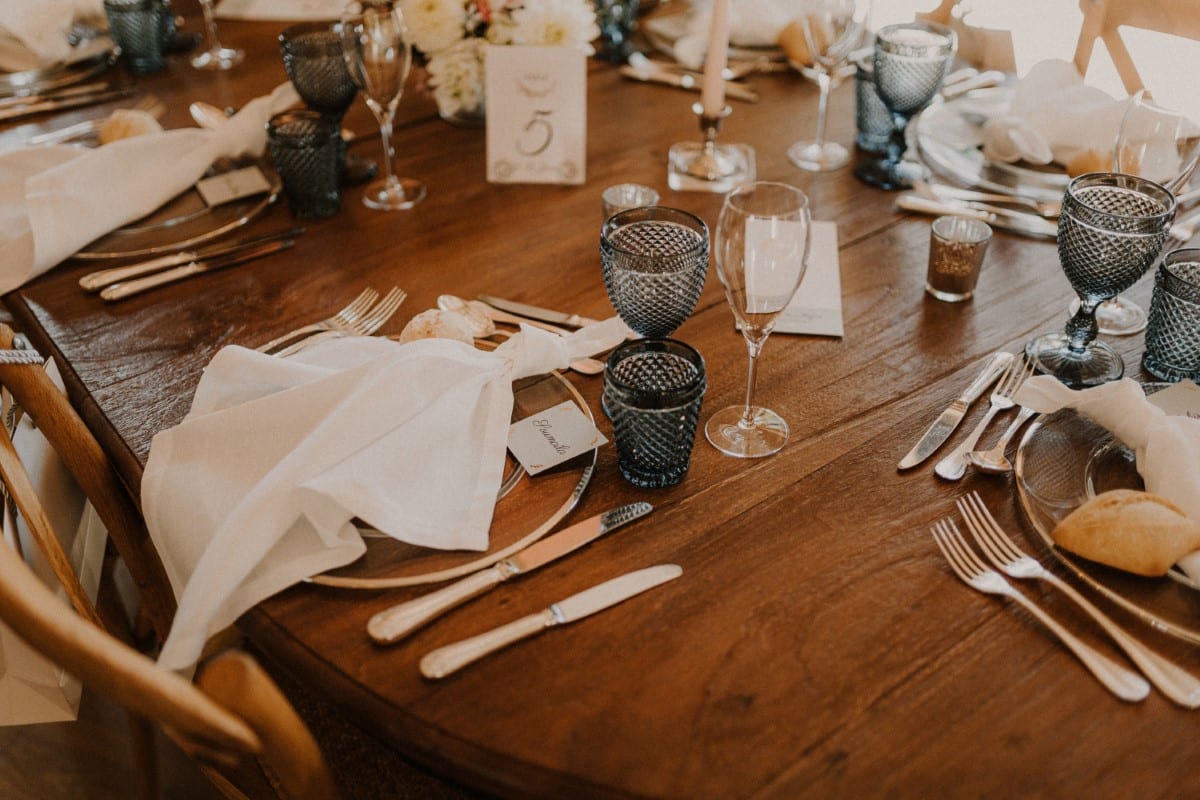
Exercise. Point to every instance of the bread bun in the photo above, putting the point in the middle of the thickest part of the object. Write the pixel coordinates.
(436, 324)
(794, 42)
(126, 122)
(1133, 531)
(1089, 161)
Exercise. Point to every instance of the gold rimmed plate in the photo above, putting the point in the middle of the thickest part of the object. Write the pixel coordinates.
(530, 509)
(1063, 460)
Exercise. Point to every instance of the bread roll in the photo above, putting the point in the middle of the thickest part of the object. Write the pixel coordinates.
(794, 42)
(1132, 531)
(436, 324)
(1089, 161)
(126, 122)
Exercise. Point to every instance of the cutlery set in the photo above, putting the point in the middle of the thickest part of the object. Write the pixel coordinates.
(17, 106)
(392, 624)
(1006, 557)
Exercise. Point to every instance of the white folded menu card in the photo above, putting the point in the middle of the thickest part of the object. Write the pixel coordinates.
(816, 308)
(257, 488)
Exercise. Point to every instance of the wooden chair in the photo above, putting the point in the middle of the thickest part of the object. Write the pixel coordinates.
(1103, 19)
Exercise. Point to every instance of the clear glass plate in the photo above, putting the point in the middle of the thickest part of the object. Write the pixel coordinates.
(184, 221)
(947, 137)
(531, 509)
(1063, 460)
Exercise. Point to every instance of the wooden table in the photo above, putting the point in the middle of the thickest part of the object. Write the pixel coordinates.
(816, 645)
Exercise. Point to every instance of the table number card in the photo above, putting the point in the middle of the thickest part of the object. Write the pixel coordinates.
(552, 437)
(536, 114)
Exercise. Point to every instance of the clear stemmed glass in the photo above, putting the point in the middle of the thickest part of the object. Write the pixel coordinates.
(761, 246)
(216, 56)
(832, 29)
(1164, 146)
(378, 55)
(1110, 231)
(911, 61)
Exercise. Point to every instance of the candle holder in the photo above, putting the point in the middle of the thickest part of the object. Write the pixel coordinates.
(707, 166)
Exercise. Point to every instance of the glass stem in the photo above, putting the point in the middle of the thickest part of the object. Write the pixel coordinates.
(1082, 327)
(210, 25)
(823, 84)
(897, 145)
(385, 130)
(754, 347)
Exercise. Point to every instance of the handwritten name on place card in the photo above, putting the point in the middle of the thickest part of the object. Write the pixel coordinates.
(552, 436)
(229, 186)
(536, 114)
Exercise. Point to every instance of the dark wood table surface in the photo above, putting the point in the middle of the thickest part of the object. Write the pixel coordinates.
(816, 645)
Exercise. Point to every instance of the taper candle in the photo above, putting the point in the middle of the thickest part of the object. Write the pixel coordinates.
(712, 95)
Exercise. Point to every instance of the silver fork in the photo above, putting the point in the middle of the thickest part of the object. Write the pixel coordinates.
(1171, 680)
(370, 321)
(954, 466)
(1122, 682)
(151, 105)
(344, 317)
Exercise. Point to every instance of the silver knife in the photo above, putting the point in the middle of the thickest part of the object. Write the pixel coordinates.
(534, 312)
(54, 94)
(452, 657)
(119, 291)
(400, 620)
(1016, 221)
(686, 81)
(95, 281)
(66, 102)
(944, 425)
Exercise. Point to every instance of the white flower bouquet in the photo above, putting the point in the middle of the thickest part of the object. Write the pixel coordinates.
(452, 36)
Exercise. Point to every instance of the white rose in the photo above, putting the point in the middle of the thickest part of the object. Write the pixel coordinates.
(456, 75)
(434, 24)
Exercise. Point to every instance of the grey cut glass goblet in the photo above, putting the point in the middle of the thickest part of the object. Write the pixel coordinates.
(1110, 231)
(315, 63)
(654, 261)
(911, 61)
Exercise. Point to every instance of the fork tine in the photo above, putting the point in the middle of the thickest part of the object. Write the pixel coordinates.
(358, 307)
(973, 561)
(945, 539)
(983, 536)
(1003, 542)
(381, 313)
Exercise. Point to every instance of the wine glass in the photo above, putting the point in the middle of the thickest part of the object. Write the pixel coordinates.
(832, 29)
(313, 59)
(911, 61)
(378, 55)
(761, 246)
(216, 56)
(1164, 146)
(1111, 229)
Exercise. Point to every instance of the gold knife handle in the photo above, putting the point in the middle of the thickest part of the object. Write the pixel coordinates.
(119, 291)
(453, 657)
(95, 281)
(400, 620)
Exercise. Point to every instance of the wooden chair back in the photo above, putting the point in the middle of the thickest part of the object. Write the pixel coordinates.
(1103, 19)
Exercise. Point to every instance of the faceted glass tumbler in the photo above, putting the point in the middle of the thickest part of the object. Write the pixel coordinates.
(653, 390)
(138, 27)
(871, 116)
(1173, 332)
(306, 148)
(313, 59)
(655, 260)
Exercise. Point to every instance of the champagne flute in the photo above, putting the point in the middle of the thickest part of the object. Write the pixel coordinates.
(832, 29)
(1163, 146)
(761, 244)
(378, 55)
(216, 56)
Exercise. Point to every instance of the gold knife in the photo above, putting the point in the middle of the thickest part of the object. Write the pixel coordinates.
(119, 291)
(687, 81)
(66, 102)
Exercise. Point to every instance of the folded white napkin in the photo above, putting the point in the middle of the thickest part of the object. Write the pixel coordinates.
(286, 10)
(33, 33)
(1167, 447)
(1054, 116)
(752, 23)
(54, 200)
(256, 489)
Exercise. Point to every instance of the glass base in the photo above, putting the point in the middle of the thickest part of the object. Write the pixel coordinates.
(218, 58)
(884, 174)
(405, 193)
(818, 157)
(1096, 364)
(766, 434)
(1117, 317)
(690, 169)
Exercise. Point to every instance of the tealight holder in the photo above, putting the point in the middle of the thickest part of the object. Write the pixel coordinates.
(707, 166)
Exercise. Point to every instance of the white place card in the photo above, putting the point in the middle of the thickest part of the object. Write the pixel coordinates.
(232, 185)
(1180, 400)
(552, 436)
(816, 308)
(536, 114)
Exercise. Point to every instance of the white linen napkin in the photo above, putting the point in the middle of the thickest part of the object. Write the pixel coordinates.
(1167, 447)
(33, 33)
(283, 10)
(256, 489)
(1054, 116)
(55, 200)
